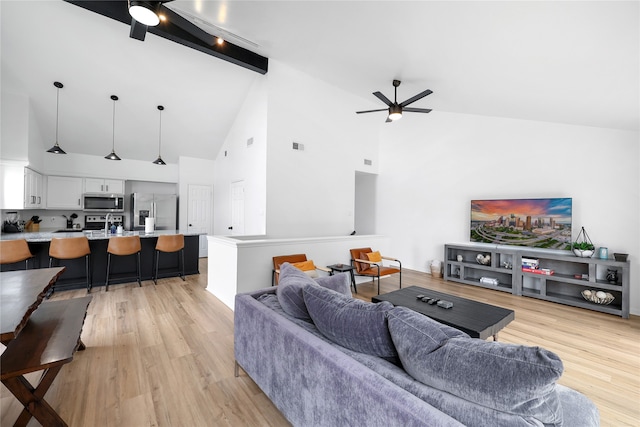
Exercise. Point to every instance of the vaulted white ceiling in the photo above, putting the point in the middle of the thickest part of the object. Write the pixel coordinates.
(568, 62)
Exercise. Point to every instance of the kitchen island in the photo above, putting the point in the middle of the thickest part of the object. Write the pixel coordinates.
(123, 269)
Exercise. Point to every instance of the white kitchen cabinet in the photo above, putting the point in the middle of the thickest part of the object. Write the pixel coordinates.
(64, 192)
(33, 189)
(21, 187)
(99, 185)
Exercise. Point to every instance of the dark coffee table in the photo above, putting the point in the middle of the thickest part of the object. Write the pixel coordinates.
(477, 319)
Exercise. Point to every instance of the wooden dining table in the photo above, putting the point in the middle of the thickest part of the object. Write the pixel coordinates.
(21, 292)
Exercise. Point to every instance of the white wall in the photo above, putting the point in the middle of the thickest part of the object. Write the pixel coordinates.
(311, 192)
(244, 162)
(434, 165)
(14, 125)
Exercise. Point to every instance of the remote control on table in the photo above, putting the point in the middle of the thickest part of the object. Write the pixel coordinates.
(445, 304)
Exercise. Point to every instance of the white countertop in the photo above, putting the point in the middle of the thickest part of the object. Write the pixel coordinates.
(47, 235)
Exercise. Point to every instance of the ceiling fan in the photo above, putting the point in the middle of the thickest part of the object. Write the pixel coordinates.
(395, 109)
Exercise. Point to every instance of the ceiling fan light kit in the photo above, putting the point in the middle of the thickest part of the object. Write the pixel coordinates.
(145, 12)
(159, 160)
(395, 109)
(56, 147)
(113, 155)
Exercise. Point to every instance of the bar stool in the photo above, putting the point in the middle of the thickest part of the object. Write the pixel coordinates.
(168, 244)
(72, 248)
(123, 246)
(13, 251)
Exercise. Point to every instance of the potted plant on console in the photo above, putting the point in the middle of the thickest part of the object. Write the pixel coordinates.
(583, 247)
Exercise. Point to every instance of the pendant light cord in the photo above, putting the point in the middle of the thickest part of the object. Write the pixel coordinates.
(57, 112)
(113, 138)
(160, 135)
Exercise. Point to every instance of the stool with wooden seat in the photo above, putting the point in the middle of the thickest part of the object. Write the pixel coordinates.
(123, 246)
(169, 244)
(14, 251)
(72, 248)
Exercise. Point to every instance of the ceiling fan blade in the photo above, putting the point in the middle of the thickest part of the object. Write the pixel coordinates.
(382, 98)
(417, 97)
(138, 31)
(417, 110)
(371, 111)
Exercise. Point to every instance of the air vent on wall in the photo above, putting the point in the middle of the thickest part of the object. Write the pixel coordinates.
(368, 162)
(250, 142)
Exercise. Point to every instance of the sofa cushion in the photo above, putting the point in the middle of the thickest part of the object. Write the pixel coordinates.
(290, 285)
(516, 379)
(357, 325)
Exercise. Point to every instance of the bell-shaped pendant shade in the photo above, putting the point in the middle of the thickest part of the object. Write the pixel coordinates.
(56, 147)
(159, 160)
(113, 155)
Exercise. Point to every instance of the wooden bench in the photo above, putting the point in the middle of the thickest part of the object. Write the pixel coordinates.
(47, 342)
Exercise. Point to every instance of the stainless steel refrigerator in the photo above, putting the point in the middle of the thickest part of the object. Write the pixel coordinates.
(162, 207)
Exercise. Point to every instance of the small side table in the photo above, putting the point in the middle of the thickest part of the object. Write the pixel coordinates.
(344, 268)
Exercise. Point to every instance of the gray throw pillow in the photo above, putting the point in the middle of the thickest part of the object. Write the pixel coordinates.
(340, 282)
(510, 378)
(293, 280)
(357, 325)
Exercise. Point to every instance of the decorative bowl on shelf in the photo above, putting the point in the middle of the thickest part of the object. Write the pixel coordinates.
(620, 257)
(483, 259)
(598, 297)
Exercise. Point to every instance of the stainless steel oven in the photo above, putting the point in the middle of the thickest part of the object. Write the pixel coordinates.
(98, 202)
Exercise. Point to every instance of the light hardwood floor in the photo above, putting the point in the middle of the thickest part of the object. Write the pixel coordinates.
(163, 356)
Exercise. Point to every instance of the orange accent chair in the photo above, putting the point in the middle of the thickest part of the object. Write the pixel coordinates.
(366, 262)
(72, 248)
(13, 251)
(303, 264)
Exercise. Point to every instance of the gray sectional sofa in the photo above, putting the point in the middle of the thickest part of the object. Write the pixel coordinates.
(326, 359)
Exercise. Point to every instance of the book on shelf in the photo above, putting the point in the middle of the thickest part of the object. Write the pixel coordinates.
(543, 271)
(530, 263)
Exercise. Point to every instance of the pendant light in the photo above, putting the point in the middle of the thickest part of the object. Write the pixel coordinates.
(113, 155)
(56, 147)
(159, 160)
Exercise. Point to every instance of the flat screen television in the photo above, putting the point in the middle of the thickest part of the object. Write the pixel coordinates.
(540, 223)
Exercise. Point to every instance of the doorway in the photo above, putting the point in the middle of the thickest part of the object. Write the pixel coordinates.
(237, 208)
(365, 203)
(199, 214)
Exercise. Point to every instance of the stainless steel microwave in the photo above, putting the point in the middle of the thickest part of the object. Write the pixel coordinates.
(99, 202)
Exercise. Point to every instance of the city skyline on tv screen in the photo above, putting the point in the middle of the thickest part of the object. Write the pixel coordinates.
(542, 223)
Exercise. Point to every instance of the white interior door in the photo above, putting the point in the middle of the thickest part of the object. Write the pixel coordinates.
(199, 213)
(237, 208)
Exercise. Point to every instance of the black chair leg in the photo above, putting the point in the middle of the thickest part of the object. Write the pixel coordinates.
(106, 284)
(182, 258)
(87, 269)
(138, 272)
(155, 277)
